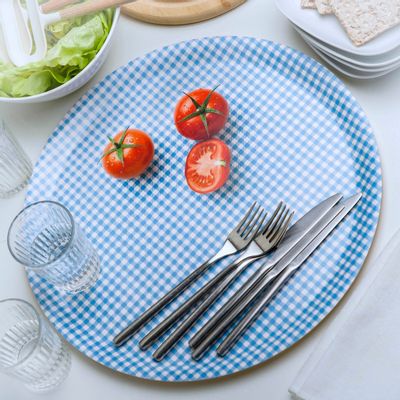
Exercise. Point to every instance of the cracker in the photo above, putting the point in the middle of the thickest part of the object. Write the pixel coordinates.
(363, 20)
(324, 6)
(308, 4)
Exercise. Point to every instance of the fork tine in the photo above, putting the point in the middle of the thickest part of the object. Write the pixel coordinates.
(260, 227)
(274, 221)
(240, 224)
(282, 231)
(259, 221)
(278, 224)
(249, 220)
(268, 224)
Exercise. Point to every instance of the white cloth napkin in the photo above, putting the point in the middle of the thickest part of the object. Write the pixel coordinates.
(359, 357)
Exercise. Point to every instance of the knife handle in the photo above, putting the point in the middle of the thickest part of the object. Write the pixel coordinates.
(253, 313)
(225, 322)
(206, 329)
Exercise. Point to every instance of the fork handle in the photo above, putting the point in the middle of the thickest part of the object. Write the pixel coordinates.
(151, 312)
(224, 323)
(159, 330)
(226, 250)
(253, 313)
(172, 340)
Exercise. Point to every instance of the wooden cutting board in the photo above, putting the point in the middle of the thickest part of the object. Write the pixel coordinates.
(178, 12)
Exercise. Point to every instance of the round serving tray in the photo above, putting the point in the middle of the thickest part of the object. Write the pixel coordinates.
(296, 134)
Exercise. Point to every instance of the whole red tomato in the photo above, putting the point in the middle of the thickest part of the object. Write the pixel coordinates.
(129, 154)
(201, 114)
(208, 166)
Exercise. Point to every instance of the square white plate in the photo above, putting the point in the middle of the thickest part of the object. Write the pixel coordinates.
(328, 29)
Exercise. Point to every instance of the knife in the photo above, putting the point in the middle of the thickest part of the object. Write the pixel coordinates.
(276, 263)
(223, 318)
(282, 274)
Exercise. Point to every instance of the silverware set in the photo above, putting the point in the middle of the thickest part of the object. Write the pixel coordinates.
(254, 237)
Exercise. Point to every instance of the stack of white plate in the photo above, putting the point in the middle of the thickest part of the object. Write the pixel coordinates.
(327, 38)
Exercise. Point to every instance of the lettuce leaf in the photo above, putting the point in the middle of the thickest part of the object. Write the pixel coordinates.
(72, 45)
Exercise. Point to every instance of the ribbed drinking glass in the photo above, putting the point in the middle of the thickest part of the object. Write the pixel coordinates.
(45, 239)
(15, 166)
(30, 350)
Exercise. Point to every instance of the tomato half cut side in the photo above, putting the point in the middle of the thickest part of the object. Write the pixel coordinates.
(208, 166)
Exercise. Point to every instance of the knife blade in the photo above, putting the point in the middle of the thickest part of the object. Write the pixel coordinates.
(303, 226)
(348, 205)
(282, 278)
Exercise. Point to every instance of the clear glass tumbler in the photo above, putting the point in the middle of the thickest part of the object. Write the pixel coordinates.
(29, 348)
(45, 239)
(15, 166)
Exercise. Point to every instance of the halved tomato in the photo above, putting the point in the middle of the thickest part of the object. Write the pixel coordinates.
(208, 166)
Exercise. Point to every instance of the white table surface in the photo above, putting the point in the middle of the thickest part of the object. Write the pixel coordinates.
(32, 124)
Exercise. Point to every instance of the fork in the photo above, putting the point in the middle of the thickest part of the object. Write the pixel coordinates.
(252, 252)
(237, 241)
(269, 238)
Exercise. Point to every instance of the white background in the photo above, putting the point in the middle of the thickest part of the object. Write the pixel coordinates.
(32, 124)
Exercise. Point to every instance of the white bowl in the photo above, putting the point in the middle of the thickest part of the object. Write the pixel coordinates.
(77, 81)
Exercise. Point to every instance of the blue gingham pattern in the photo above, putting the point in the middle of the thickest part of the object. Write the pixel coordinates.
(296, 134)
